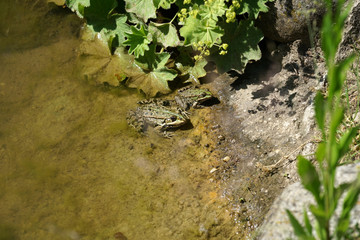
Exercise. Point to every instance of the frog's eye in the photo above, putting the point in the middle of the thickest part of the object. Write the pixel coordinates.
(173, 118)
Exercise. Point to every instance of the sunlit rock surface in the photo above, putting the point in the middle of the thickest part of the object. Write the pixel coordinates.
(287, 21)
(295, 198)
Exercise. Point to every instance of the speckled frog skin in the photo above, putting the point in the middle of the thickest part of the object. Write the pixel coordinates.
(158, 114)
(192, 96)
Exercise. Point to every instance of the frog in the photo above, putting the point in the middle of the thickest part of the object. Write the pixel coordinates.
(159, 114)
(192, 96)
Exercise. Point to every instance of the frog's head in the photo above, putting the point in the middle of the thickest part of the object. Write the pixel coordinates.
(177, 119)
(203, 94)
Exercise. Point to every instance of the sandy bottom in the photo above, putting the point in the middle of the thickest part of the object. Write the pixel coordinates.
(70, 168)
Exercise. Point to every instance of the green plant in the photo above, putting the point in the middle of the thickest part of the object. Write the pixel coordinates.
(222, 31)
(329, 114)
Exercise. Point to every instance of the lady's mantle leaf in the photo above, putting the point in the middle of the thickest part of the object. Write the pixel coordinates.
(253, 7)
(121, 28)
(165, 33)
(96, 62)
(152, 60)
(195, 72)
(243, 39)
(98, 14)
(144, 9)
(150, 74)
(211, 10)
(196, 30)
(137, 40)
(188, 30)
(152, 82)
(165, 4)
(57, 2)
(74, 6)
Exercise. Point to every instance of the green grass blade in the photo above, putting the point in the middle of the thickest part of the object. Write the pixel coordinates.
(349, 202)
(346, 139)
(298, 228)
(308, 225)
(309, 177)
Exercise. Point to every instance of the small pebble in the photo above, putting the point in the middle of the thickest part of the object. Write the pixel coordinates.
(213, 170)
(221, 137)
(226, 159)
(120, 236)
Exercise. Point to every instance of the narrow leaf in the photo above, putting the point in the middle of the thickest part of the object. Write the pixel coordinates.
(336, 119)
(340, 70)
(298, 229)
(320, 152)
(319, 214)
(308, 225)
(349, 202)
(320, 110)
(346, 140)
(309, 177)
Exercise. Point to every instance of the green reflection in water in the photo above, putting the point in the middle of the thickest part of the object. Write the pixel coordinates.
(70, 167)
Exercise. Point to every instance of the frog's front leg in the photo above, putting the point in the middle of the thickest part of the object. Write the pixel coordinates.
(161, 130)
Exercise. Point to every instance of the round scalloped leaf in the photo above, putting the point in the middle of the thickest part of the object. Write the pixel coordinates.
(195, 72)
(96, 62)
(137, 40)
(144, 9)
(165, 4)
(196, 30)
(121, 28)
(98, 14)
(77, 6)
(164, 33)
(151, 83)
(150, 74)
(253, 7)
(243, 39)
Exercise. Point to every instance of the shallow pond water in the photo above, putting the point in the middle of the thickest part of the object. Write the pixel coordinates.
(70, 166)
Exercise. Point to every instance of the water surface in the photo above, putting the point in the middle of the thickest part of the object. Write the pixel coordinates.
(70, 168)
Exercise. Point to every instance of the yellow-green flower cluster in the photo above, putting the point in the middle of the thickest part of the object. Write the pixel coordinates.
(203, 50)
(230, 12)
(182, 14)
(223, 48)
(187, 2)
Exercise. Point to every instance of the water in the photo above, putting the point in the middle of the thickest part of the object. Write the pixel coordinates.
(70, 168)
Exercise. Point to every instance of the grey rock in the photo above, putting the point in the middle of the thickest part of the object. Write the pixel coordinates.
(288, 20)
(351, 33)
(295, 198)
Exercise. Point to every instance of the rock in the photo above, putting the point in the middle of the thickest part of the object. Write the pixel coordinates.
(295, 198)
(308, 122)
(351, 32)
(287, 21)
